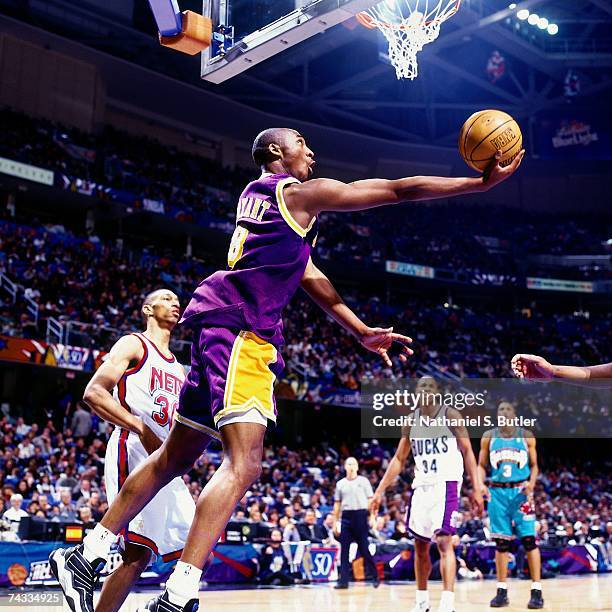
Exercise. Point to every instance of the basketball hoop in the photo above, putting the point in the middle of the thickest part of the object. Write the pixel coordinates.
(408, 25)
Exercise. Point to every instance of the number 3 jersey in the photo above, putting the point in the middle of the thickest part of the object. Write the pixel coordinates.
(150, 389)
(266, 261)
(509, 457)
(437, 457)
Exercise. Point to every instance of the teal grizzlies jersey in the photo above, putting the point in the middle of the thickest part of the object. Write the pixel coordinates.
(509, 458)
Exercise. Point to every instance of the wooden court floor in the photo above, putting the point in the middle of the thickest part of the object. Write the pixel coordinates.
(564, 594)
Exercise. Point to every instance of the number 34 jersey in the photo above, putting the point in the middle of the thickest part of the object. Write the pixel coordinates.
(437, 458)
(150, 389)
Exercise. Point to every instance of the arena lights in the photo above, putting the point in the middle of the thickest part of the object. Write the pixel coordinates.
(535, 20)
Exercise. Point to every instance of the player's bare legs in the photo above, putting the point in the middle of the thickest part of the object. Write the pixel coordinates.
(118, 585)
(422, 565)
(173, 458)
(241, 466)
(535, 564)
(448, 561)
(501, 565)
(422, 570)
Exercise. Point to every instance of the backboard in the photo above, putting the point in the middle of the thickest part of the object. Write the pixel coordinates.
(246, 32)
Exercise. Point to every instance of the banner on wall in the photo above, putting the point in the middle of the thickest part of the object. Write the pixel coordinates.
(573, 135)
(557, 284)
(409, 269)
(59, 355)
(26, 171)
(27, 563)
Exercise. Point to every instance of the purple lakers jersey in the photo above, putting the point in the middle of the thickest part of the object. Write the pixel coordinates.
(266, 261)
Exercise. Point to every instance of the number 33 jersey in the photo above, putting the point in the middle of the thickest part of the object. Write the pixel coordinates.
(437, 458)
(150, 389)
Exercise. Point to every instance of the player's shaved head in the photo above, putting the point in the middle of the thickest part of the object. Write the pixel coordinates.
(151, 297)
(261, 145)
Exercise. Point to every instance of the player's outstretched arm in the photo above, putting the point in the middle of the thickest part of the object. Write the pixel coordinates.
(375, 339)
(483, 461)
(98, 393)
(394, 469)
(534, 367)
(469, 461)
(533, 463)
(318, 195)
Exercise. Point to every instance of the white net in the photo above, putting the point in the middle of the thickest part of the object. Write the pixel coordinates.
(408, 25)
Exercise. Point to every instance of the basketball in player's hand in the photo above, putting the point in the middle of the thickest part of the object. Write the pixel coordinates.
(487, 132)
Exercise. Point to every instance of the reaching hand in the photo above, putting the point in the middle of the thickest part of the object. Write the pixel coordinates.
(375, 503)
(496, 174)
(477, 503)
(486, 494)
(379, 340)
(532, 367)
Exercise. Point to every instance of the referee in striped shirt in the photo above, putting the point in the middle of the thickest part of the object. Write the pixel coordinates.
(351, 499)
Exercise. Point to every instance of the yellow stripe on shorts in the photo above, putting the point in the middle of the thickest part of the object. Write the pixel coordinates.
(250, 382)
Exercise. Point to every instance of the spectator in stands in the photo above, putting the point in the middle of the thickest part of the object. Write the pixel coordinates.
(82, 492)
(21, 428)
(290, 530)
(274, 567)
(44, 505)
(15, 513)
(81, 422)
(328, 525)
(68, 479)
(26, 447)
(67, 510)
(85, 515)
(308, 529)
(400, 532)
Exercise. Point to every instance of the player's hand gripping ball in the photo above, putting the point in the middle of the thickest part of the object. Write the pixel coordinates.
(484, 134)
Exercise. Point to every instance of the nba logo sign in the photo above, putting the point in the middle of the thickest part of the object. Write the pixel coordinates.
(323, 563)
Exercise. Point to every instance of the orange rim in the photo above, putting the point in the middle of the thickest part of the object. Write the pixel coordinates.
(366, 20)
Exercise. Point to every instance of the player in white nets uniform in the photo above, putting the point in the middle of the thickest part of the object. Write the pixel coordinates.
(137, 389)
(440, 453)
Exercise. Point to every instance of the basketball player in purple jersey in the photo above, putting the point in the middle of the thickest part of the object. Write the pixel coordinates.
(534, 367)
(237, 327)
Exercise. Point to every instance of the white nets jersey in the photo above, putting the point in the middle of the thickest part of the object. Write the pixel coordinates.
(436, 455)
(150, 389)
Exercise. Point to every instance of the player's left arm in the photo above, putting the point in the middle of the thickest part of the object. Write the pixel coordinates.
(469, 460)
(375, 339)
(533, 463)
(318, 195)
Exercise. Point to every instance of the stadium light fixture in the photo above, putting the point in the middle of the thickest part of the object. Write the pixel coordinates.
(512, 6)
(542, 23)
(533, 19)
(523, 14)
(552, 29)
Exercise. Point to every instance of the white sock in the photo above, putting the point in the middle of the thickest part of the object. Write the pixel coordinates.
(422, 596)
(97, 543)
(447, 601)
(184, 583)
(502, 585)
(536, 585)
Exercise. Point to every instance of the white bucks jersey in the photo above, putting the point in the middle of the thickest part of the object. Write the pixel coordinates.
(434, 447)
(150, 389)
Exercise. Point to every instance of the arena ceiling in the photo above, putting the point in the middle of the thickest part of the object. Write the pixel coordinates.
(338, 78)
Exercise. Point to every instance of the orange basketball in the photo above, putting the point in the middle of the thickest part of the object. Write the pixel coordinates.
(486, 132)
